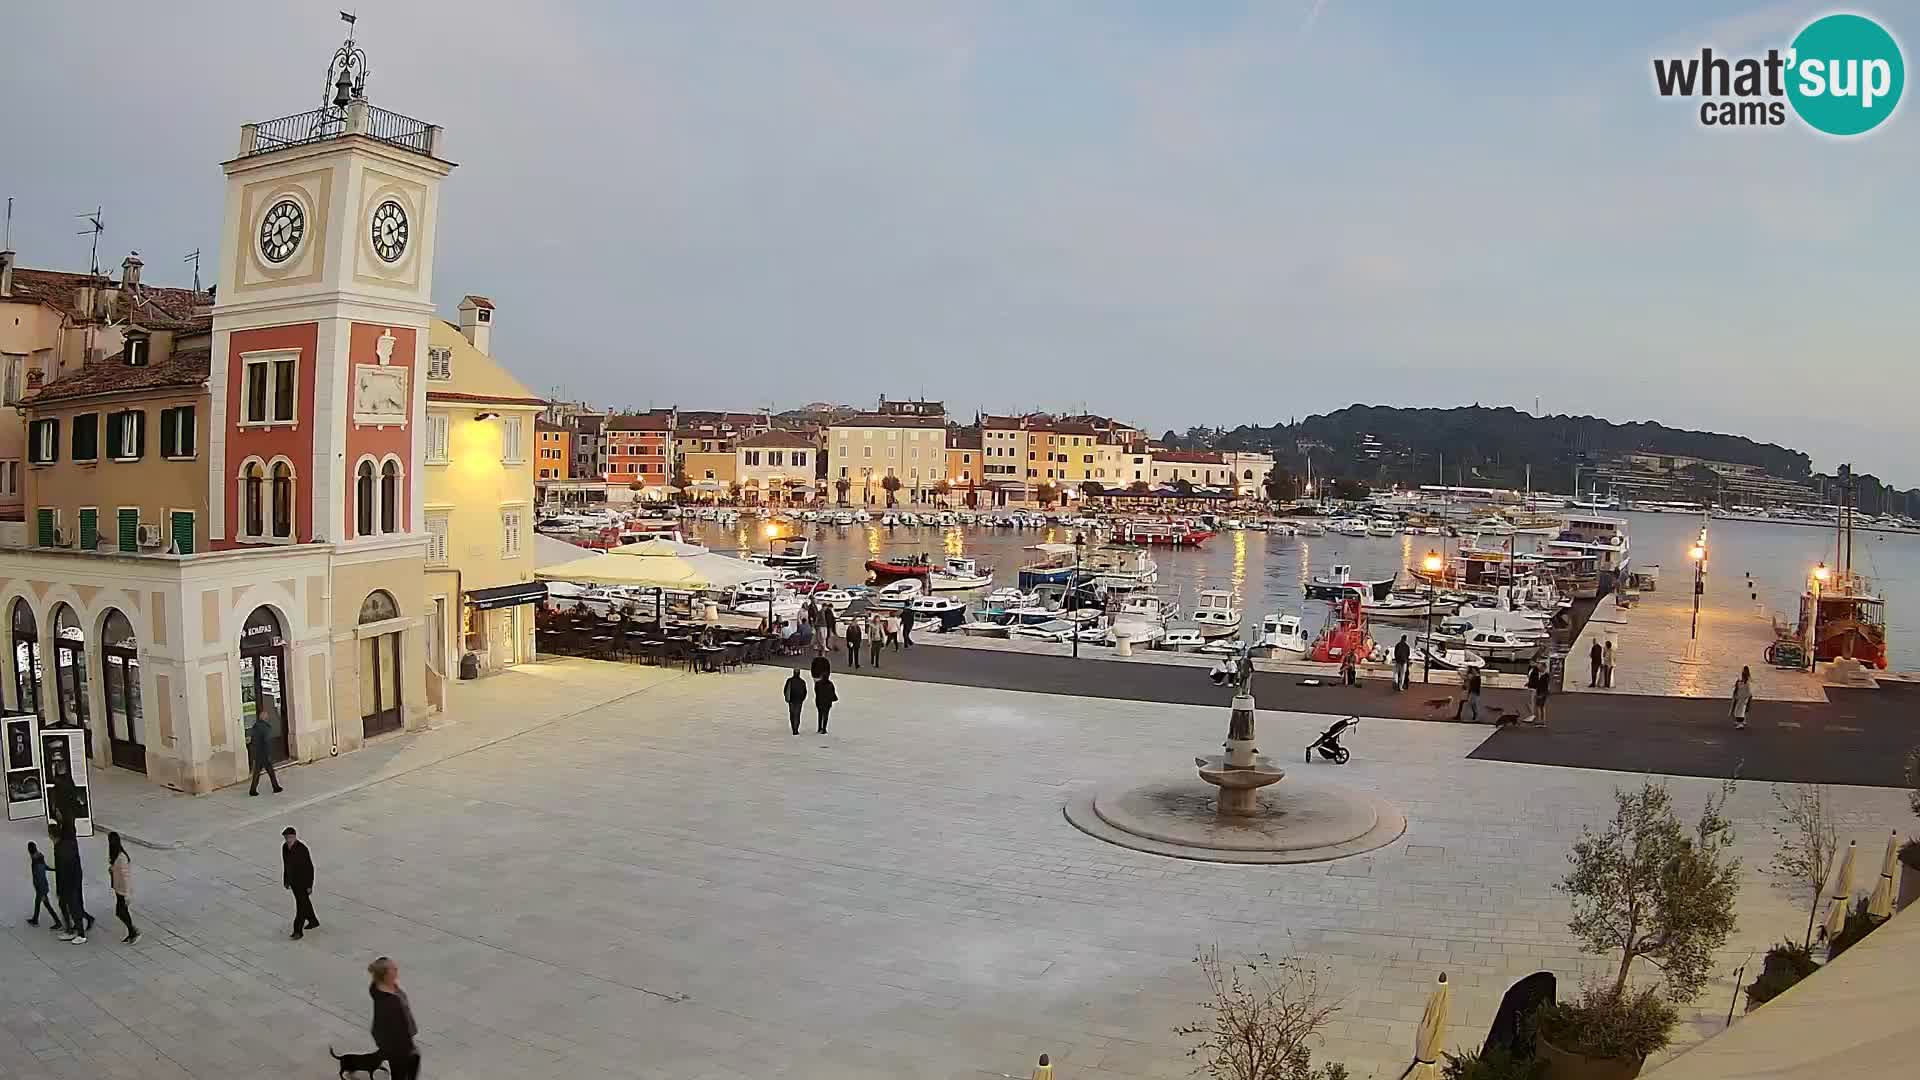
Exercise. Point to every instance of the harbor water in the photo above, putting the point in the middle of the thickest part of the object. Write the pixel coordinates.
(1268, 573)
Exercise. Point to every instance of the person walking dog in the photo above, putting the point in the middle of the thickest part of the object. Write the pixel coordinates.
(393, 1024)
(796, 695)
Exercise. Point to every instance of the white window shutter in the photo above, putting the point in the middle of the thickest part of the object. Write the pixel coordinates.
(437, 526)
(437, 438)
(510, 439)
(510, 526)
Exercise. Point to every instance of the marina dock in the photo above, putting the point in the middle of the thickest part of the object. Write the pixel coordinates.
(1650, 635)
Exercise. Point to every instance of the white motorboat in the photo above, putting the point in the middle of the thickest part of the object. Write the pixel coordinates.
(1494, 644)
(1405, 606)
(960, 574)
(949, 518)
(1053, 630)
(1118, 569)
(793, 552)
(1144, 609)
(1000, 600)
(782, 606)
(1349, 527)
(862, 517)
(988, 625)
(844, 517)
(1382, 529)
(1446, 659)
(1285, 636)
(837, 599)
(1181, 639)
(1308, 528)
(944, 610)
(1215, 614)
(1281, 528)
(908, 519)
(889, 520)
(897, 594)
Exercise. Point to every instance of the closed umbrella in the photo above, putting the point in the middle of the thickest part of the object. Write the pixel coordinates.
(1433, 1028)
(1841, 895)
(1880, 905)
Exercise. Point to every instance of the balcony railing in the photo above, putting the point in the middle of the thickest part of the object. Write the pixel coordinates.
(319, 125)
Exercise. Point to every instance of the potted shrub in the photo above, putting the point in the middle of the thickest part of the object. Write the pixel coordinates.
(1500, 1064)
(1784, 965)
(1644, 887)
(1909, 873)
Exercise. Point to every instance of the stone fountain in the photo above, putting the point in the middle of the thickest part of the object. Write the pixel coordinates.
(1233, 813)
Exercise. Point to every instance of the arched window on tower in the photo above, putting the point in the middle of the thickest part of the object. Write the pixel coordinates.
(251, 479)
(363, 495)
(390, 497)
(282, 501)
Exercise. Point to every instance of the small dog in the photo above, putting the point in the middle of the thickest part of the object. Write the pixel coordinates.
(359, 1063)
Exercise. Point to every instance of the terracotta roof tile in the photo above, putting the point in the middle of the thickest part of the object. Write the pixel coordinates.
(639, 422)
(875, 420)
(476, 301)
(186, 368)
(149, 306)
(779, 439)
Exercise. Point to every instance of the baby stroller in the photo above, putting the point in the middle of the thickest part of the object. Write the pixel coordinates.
(1329, 742)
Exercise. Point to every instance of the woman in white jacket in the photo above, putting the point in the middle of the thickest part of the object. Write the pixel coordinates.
(120, 873)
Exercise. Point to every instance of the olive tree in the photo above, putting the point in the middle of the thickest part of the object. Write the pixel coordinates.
(1263, 1014)
(1807, 842)
(1646, 887)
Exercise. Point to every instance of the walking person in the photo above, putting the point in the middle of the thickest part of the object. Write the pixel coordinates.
(892, 623)
(906, 625)
(1472, 707)
(260, 752)
(120, 876)
(1606, 665)
(1349, 669)
(824, 695)
(795, 692)
(1742, 698)
(828, 621)
(853, 645)
(874, 640)
(42, 890)
(1402, 664)
(1596, 657)
(1540, 683)
(70, 882)
(296, 866)
(393, 1024)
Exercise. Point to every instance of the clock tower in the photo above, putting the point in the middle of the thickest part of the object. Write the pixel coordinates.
(316, 389)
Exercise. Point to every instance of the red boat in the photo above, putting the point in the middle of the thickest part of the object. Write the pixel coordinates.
(1160, 534)
(1345, 632)
(909, 567)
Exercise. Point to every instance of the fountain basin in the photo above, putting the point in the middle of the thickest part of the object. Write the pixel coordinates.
(1294, 823)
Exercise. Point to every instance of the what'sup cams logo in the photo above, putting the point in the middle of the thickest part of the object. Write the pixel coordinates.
(1842, 75)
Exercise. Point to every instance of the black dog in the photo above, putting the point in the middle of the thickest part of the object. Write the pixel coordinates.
(359, 1063)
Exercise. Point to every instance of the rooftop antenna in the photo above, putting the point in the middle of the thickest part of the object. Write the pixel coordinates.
(96, 225)
(194, 258)
(6, 244)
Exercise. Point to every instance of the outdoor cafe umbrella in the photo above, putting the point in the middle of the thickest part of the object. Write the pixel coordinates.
(658, 564)
(1880, 905)
(1432, 1031)
(1841, 895)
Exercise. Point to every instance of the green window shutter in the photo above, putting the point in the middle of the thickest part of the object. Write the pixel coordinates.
(43, 526)
(130, 529)
(182, 527)
(139, 421)
(89, 528)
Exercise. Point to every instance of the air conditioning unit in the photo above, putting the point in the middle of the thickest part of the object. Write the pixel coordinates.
(151, 536)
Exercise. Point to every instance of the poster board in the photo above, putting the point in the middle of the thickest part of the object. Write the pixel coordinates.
(64, 751)
(20, 766)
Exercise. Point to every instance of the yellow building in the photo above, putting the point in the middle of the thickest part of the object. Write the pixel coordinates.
(777, 467)
(480, 471)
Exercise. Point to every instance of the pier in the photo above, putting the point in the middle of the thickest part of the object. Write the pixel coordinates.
(1650, 636)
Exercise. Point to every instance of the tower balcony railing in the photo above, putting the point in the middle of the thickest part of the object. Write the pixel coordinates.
(319, 125)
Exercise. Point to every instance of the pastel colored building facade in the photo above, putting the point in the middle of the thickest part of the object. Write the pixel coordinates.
(776, 467)
(552, 450)
(866, 449)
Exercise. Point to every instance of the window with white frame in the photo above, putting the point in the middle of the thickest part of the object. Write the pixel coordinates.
(268, 393)
(9, 479)
(509, 533)
(439, 524)
(13, 370)
(437, 438)
(510, 438)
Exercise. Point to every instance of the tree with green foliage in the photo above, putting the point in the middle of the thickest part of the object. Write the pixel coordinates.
(1045, 494)
(842, 486)
(891, 485)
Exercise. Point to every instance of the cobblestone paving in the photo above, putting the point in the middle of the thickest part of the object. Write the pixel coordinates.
(671, 885)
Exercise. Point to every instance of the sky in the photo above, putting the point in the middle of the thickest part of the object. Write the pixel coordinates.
(1177, 213)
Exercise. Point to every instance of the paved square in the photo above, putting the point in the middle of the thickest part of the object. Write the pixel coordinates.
(668, 884)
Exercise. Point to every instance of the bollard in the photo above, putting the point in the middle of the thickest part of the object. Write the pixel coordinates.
(1044, 1070)
(1123, 644)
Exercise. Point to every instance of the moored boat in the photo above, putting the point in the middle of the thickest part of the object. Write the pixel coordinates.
(1341, 584)
(899, 568)
(1284, 636)
(959, 574)
(1216, 614)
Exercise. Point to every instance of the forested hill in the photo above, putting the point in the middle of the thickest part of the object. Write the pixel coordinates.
(1480, 446)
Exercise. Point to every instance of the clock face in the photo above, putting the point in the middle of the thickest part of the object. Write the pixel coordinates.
(389, 231)
(281, 230)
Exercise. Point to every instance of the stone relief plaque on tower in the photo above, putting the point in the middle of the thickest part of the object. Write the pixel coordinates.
(380, 389)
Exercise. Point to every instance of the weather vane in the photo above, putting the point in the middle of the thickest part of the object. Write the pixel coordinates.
(347, 72)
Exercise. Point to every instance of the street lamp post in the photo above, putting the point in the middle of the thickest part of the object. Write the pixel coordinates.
(1698, 553)
(1431, 564)
(1073, 592)
(1820, 576)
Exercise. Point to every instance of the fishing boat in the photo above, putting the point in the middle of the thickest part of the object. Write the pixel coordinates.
(1445, 659)
(944, 610)
(1160, 533)
(900, 568)
(1601, 539)
(1841, 616)
(1284, 636)
(1181, 639)
(1216, 614)
(794, 553)
(1345, 633)
(897, 594)
(1052, 565)
(1120, 569)
(1000, 600)
(988, 624)
(1416, 606)
(959, 574)
(1341, 583)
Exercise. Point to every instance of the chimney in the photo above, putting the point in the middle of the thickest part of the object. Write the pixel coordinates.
(130, 270)
(476, 322)
(6, 272)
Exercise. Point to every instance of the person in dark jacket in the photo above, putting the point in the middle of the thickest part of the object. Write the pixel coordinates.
(1402, 664)
(853, 644)
(260, 753)
(795, 692)
(296, 867)
(1595, 657)
(821, 667)
(42, 891)
(393, 1025)
(828, 621)
(1541, 683)
(70, 882)
(906, 626)
(876, 637)
(824, 695)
